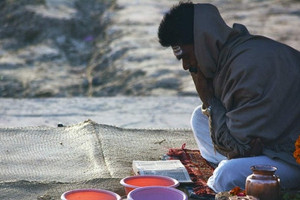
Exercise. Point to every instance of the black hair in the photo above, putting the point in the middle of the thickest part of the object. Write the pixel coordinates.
(177, 25)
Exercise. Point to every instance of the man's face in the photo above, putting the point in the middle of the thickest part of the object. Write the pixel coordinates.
(187, 55)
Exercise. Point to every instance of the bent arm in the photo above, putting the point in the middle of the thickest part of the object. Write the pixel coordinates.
(232, 141)
(223, 141)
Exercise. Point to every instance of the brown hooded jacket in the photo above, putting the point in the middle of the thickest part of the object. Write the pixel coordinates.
(256, 83)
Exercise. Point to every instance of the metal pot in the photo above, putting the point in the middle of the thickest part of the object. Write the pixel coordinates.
(263, 183)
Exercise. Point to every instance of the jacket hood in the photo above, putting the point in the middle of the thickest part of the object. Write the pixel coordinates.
(210, 35)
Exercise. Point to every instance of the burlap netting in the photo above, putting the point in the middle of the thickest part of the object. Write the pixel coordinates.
(44, 162)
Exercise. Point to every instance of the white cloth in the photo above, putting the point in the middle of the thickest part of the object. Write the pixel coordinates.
(199, 123)
(231, 173)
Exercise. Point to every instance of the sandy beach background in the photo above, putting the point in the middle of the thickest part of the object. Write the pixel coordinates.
(65, 61)
(97, 48)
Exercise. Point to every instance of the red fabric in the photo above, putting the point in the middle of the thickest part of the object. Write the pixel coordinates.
(198, 168)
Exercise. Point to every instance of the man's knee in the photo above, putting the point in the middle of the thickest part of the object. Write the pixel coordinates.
(196, 116)
(227, 176)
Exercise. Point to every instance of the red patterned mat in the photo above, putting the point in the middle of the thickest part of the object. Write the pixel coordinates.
(198, 168)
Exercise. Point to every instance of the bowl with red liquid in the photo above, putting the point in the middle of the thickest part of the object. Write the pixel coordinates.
(90, 194)
(132, 182)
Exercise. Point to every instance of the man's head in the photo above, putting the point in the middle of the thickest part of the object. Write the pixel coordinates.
(176, 30)
(177, 26)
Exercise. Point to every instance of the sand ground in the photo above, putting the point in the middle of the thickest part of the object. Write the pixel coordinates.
(73, 48)
(110, 67)
(126, 112)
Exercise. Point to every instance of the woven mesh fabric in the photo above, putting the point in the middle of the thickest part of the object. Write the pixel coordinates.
(43, 162)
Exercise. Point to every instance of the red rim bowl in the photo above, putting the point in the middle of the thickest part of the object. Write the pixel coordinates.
(133, 182)
(90, 194)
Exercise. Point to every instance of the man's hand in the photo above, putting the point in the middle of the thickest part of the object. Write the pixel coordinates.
(204, 87)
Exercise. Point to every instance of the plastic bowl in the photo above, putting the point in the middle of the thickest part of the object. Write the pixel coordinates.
(157, 193)
(133, 182)
(90, 194)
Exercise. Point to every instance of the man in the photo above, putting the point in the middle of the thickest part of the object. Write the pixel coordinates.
(250, 89)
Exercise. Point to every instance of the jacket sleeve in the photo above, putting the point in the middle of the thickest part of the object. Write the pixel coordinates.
(222, 139)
